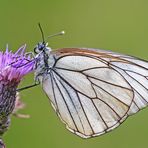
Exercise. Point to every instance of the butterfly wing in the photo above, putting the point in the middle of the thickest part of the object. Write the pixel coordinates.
(134, 70)
(94, 91)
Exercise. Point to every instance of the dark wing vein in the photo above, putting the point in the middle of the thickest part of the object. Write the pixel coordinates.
(82, 71)
(95, 105)
(134, 80)
(64, 102)
(84, 111)
(72, 104)
(109, 82)
(138, 83)
(52, 85)
(131, 71)
(106, 103)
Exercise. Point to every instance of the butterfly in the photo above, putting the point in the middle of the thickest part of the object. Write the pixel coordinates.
(92, 91)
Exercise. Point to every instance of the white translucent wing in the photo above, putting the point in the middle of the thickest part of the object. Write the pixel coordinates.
(135, 71)
(94, 91)
(90, 97)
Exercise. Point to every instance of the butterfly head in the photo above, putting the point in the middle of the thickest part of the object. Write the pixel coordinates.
(41, 47)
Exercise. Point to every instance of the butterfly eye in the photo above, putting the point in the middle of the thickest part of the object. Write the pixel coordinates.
(39, 47)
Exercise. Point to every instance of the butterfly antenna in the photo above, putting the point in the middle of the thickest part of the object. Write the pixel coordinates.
(42, 33)
(57, 34)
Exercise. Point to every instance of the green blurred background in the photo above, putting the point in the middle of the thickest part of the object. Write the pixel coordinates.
(118, 25)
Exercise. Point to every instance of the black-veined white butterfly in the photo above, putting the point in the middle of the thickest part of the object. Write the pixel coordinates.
(93, 91)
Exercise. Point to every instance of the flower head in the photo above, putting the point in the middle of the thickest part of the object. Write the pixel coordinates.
(13, 66)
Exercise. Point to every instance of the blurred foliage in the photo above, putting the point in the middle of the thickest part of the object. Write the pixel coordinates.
(116, 25)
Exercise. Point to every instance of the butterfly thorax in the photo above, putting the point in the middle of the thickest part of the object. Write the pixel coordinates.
(44, 62)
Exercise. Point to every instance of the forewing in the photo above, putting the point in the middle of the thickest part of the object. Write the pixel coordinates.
(89, 94)
(135, 71)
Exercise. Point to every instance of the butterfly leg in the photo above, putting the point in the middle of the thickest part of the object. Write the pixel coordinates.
(30, 86)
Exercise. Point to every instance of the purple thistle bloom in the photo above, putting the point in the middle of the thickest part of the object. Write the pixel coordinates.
(13, 66)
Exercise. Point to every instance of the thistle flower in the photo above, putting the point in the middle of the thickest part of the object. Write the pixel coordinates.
(13, 66)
